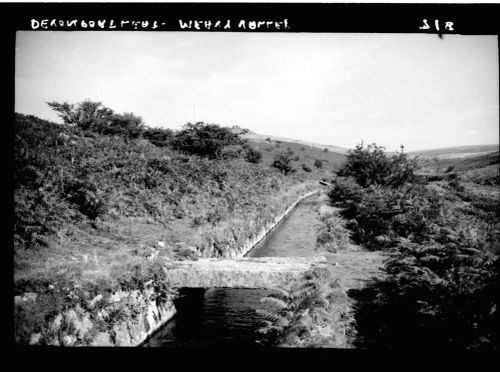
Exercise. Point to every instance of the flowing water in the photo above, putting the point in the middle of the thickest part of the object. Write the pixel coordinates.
(226, 317)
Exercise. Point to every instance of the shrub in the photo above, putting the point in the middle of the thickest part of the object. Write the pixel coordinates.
(318, 163)
(160, 137)
(207, 140)
(86, 196)
(455, 185)
(331, 235)
(253, 156)
(126, 125)
(418, 217)
(379, 213)
(282, 162)
(371, 166)
(345, 191)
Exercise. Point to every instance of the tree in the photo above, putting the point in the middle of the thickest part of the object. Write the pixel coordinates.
(372, 166)
(206, 140)
(318, 164)
(282, 162)
(86, 114)
(94, 116)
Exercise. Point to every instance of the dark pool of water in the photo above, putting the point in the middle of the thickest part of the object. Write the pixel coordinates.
(217, 317)
(227, 317)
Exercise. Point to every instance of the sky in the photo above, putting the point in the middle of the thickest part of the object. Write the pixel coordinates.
(337, 89)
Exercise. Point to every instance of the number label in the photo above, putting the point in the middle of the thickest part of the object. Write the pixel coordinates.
(448, 26)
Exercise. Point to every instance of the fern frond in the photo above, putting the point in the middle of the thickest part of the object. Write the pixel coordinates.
(270, 315)
(284, 291)
(303, 291)
(274, 302)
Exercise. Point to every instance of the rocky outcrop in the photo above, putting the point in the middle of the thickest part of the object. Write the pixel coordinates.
(263, 272)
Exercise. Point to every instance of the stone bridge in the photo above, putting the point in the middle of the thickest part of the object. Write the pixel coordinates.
(262, 272)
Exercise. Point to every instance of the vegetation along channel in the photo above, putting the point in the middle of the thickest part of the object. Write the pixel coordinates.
(228, 317)
(396, 250)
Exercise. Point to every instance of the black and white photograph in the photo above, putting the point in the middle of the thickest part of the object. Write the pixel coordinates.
(255, 181)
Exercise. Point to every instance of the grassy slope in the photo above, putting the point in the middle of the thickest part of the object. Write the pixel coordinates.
(307, 155)
(89, 208)
(474, 168)
(456, 152)
(476, 162)
(263, 138)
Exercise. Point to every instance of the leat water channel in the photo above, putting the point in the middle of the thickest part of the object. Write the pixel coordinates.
(217, 317)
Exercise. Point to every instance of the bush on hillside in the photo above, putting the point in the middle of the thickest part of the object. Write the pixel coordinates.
(94, 116)
(372, 166)
(318, 163)
(207, 140)
(87, 197)
(160, 137)
(455, 185)
(253, 156)
(345, 191)
(282, 161)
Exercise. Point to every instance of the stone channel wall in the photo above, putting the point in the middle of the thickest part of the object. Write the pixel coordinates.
(127, 318)
(123, 318)
(248, 244)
